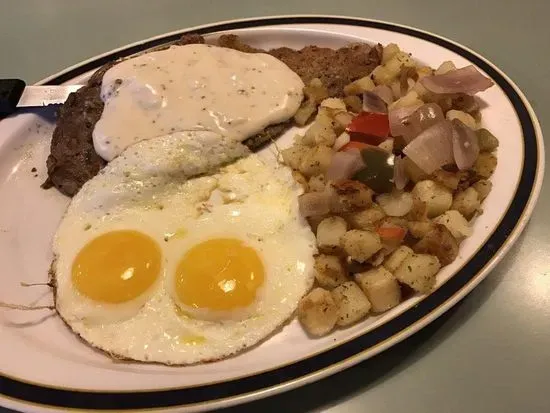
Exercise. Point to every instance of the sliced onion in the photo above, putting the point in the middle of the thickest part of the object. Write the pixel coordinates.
(465, 80)
(465, 145)
(315, 203)
(433, 148)
(421, 119)
(374, 103)
(341, 141)
(400, 177)
(396, 117)
(384, 92)
(396, 204)
(344, 165)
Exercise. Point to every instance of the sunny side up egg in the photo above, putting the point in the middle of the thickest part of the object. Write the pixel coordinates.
(156, 263)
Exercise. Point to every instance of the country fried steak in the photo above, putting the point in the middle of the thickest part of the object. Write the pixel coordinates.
(73, 160)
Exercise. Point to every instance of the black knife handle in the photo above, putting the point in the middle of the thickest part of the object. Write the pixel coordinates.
(10, 93)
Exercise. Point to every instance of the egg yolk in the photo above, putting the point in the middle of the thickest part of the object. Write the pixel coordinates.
(117, 266)
(219, 274)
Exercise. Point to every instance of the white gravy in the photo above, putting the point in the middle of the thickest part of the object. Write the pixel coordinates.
(190, 88)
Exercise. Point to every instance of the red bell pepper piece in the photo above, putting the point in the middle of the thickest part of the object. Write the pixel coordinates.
(369, 127)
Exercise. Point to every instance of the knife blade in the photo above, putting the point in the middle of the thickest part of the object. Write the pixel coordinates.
(15, 93)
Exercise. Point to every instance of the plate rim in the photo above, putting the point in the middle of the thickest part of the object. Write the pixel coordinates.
(410, 328)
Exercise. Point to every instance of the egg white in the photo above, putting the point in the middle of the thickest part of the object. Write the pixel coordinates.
(250, 200)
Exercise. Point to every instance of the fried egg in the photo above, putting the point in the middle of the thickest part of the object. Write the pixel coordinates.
(167, 256)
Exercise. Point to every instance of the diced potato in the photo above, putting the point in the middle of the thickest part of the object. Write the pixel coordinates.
(466, 202)
(315, 161)
(382, 76)
(354, 103)
(330, 271)
(410, 99)
(445, 67)
(394, 260)
(398, 62)
(306, 110)
(418, 272)
(342, 120)
(359, 86)
(300, 179)
(316, 91)
(487, 141)
(455, 223)
(365, 219)
(389, 51)
(314, 221)
(329, 232)
(351, 196)
(419, 229)
(317, 183)
(360, 245)
(333, 103)
(413, 171)
(318, 312)
(483, 188)
(438, 199)
(351, 302)
(380, 287)
(320, 132)
(464, 117)
(447, 179)
(485, 165)
(439, 242)
(294, 155)
(419, 211)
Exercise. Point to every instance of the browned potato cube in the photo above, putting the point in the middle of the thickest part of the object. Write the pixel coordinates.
(380, 287)
(439, 242)
(485, 165)
(418, 272)
(317, 312)
(395, 259)
(351, 196)
(447, 179)
(330, 271)
(466, 202)
(352, 303)
(360, 245)
(365, 219)
(419, 229)
(315, 161)
(483, 188)
(329, 232)
(317, 183)
(294, 155)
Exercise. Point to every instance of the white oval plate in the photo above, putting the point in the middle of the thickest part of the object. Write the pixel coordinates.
(43, 367)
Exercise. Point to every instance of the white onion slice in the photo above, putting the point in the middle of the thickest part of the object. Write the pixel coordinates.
(341, 141)
(384, 92)
(396, 117)
(465, 145)
(400, 178)
(374, 103)
(344, 165)
(465, 80)
(433, 148)
(396, 204)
